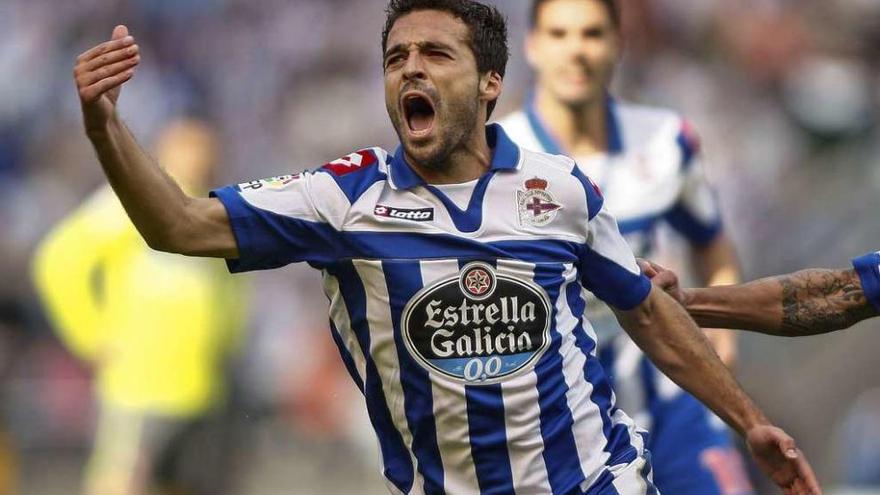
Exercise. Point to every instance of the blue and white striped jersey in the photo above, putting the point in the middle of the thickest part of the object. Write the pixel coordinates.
(464, 329)
(651, 174)
(868, 269)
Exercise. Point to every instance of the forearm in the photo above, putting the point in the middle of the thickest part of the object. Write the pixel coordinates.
(807, 302)
(152, 199)
(678, 348)
(717, 264)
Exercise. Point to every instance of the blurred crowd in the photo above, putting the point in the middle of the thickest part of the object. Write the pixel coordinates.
(784, 93)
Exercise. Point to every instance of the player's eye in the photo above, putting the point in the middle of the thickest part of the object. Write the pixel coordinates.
(594, 33)
(392, 60)
(556, 34)
(438, 54)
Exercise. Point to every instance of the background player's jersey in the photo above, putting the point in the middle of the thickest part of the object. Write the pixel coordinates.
(650, 175)
(464, 329)
(868, 269)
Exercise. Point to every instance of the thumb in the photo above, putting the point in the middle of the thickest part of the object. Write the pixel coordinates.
(788, 448)
(119, 32)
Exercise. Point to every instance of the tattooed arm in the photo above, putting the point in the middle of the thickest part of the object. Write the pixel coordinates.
(807, 302)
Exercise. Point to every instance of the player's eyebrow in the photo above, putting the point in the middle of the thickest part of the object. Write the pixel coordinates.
(422, 45)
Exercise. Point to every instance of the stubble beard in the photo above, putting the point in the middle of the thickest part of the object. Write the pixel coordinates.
(450, 135)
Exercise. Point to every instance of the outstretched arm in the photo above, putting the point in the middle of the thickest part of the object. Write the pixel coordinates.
(807, 302)
(166, 217)
(677, 346)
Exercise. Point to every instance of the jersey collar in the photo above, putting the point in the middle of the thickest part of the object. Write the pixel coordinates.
(551, 144)
(505, 156)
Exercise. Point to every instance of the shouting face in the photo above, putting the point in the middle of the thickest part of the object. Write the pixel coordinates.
(434, 94)
(573, 48)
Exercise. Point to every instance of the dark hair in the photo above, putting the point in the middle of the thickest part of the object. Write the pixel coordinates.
(610, 5)
(487, 26)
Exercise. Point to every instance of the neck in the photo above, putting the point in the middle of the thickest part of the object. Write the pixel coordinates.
(581, 129)
(469, 161)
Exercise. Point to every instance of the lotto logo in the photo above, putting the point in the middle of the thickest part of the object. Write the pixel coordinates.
(350, 163)
(414, 214)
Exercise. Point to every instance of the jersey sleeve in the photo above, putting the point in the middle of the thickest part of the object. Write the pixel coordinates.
(868, 269)
(285, 219)
(608, 267)
(696, 214)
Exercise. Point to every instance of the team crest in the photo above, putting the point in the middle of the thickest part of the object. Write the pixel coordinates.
(535, 204)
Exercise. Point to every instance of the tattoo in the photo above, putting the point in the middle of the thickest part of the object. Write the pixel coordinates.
(817, 301)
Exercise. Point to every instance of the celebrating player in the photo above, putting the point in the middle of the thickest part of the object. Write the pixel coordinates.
(808, 302)
(646, 161)
(463, 328)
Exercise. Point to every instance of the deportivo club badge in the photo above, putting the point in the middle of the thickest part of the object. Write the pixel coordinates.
(535, 205)
(479, 326)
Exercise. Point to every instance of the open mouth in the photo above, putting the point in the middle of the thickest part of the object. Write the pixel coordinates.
(419, 113)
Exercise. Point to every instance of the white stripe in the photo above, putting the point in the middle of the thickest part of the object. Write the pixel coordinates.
(522, 417)
(587, 429)
(629, 382)
(450, 409)
(339, 315)
(384, 353)
(630, 480)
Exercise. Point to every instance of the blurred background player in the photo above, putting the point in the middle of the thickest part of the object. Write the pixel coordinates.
(155, 328)
(646, 162)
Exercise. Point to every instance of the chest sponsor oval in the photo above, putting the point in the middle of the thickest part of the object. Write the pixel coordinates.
(479, 326)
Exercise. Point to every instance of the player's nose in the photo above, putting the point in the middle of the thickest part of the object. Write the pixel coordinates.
(414, 68)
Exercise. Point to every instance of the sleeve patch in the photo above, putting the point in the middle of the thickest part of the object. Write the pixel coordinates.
(350, 163)
(278, 182)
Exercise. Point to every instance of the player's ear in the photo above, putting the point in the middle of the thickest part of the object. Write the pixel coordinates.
(490, 86)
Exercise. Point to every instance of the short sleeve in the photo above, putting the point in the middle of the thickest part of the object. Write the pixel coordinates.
(608, 267)
(868, 269)
(285, 219)
(696, 214)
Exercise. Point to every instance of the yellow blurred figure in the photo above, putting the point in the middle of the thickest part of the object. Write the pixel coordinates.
(156, 328)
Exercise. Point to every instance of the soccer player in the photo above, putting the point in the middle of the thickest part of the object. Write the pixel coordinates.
(647, 163)
(458, 314)
(155, 328)
(808, 302)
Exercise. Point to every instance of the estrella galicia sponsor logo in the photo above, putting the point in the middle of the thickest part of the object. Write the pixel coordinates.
(414, 214)
(478, 327)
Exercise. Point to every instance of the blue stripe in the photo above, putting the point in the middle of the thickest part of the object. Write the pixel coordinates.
(560, 450)
(404, 279)
(594, 198)
(612, 283)
(347, 359)
(545, 139)
(604, 485)
(398, 464)
(488, 438)
(355, 183)
(868, 269)
(268, 240)
(617, 439)
(692, 228)
(640, 224)
(551, 145)
(687, 148)
(470, 219)
(488, 434)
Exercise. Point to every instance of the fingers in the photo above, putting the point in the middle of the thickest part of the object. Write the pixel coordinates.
(89, 77)
(646, 267)
(92, 92)
(808, 477)
(105, 47)
(107, 65)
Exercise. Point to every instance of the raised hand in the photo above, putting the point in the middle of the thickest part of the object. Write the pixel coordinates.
(779, 458)
(100, 73)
